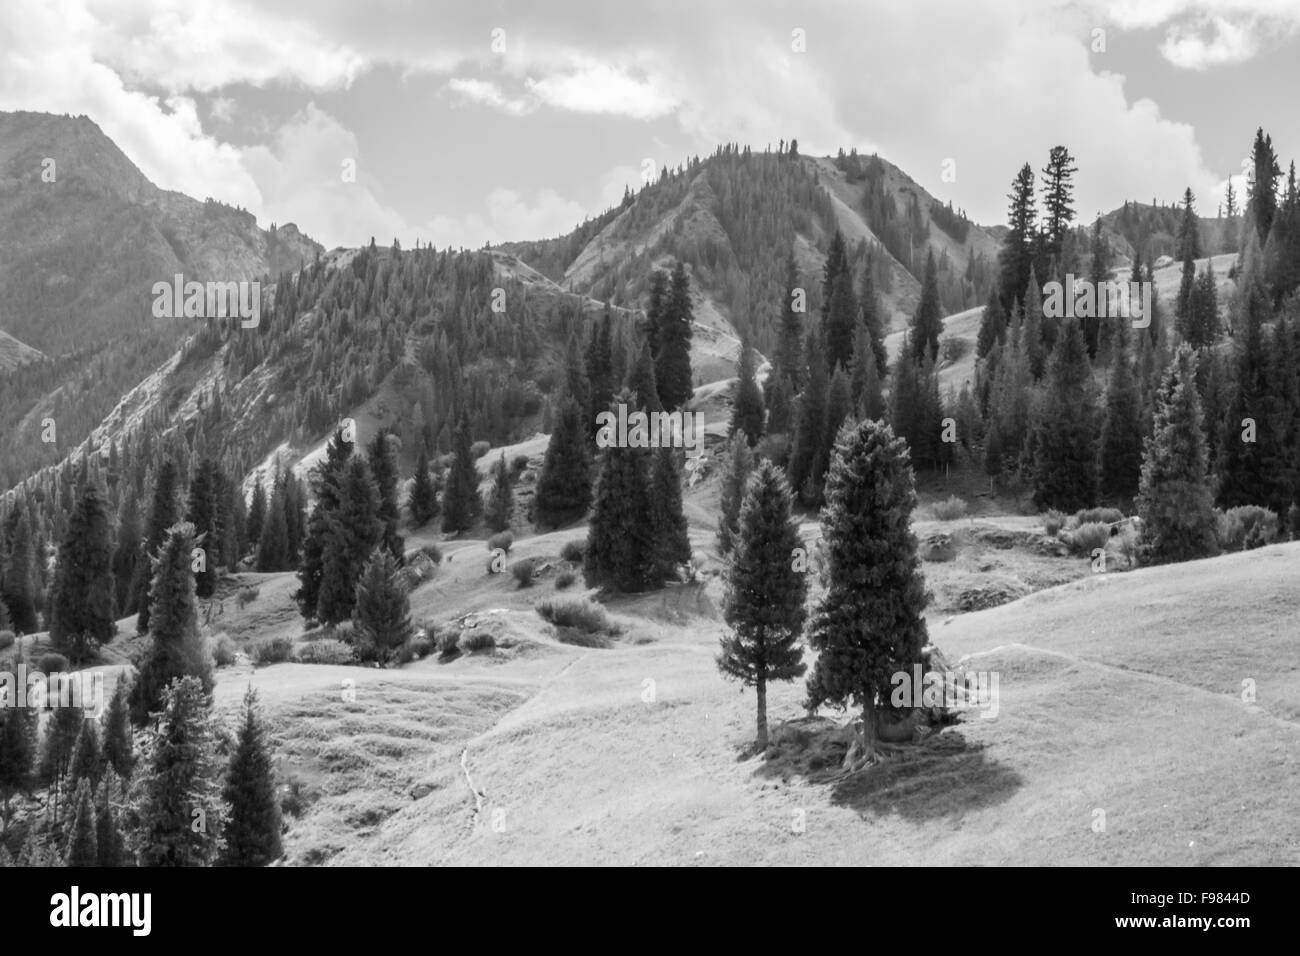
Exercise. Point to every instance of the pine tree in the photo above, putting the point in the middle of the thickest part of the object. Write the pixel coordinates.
(257, 511)
(163, 513)
(576, 382)
(870, 622)
(1032, 337)
(1120, 464)
(327, 478)
(1065, 430)
(842, 317)
(1202, 326)
(355, 529)
(1095, 336)
(564, 487)
(382, 609)
(126, 554)
(765, 594)
(927, 322)
(110, 849)
(501, 498)
(810, 424)
(839, 406)
(747, 411)
(118, 743)
(1279, 425)
(670, 532)
(1016, 259)
(789, 360)
(1174, 501)
(424, 493)
(86, 760)
(203, 514)
(17, 754)
(780, 405)
(251, 834)
(641, 375)
(57, 747)
(1058, 196)
(738, 463)
(462, 505)
(1261, 194)
(179, 806)
(381, 456)
(1241, 468)
(992, 326)
(658, 302)
(673, 360)
(83, 594)
(600, 371)
(273, 540)
(81, 843)
(870, 319)
(621, 545)
(176, 648)
(18, 587)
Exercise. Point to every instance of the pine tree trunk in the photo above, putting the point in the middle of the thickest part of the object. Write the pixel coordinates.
(761, 688)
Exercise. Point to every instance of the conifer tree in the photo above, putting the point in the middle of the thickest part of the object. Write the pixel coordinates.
(257, 512)
(600, 372)
(1065, 430)
(81, 842)
(927, 323)
(203, 514)
(658, 303)
(641, 381)
(110, 848)
(86, 760)
(424, 493)
(788, 363)
(765, 594)
(327, 477)
(17, 755)
(738, 463)
(163, 513)
(1202, 326)
(119, 752)
(747, 411)
(382, 609)
(871, 320)
(179, 798)
(839, 406)
(780, 405)
(564, 487)
(176, 648)
(273, 541)
(1120, 464)
(1261, 195)
(126, 552)
(1279, 425)
(1175, 502)
(462, 505)
(251, 835)
(56, 754)
(842, 317)
(670, 532)
(870, 622)
(673, 360)
(1242, 478)
(1033, 339)
(381, 456)
(355, 529)
(621, 545)
(809, 439)
(992, 326)
(1058, 198)
(18, 587)
(83, 595)
(501, 498)
(1016, 258)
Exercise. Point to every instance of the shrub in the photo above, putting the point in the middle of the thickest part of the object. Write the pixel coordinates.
(578, 613)
(478, 450)
(271, 650)
(564, 579)
(419, 645)
(246, 596)
(294, 801)
(52, 663)
(327, 651)
(432, 552)
(7, 639)
(951, 349)
(223, 650)
(446, 638)
(477, 639)
(574, 551)
(1053, 522)
(1095, 515)
(1127, 543)
(519, 463)
(523, 572)
(1293, 518)
(949, 510)
(1247, 527)
(345, 631)
(503, 541)
(1087, 537)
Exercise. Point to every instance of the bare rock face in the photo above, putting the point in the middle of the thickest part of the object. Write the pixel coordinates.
(938, 547)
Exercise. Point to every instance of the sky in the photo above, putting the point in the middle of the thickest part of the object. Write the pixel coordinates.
(489, 121)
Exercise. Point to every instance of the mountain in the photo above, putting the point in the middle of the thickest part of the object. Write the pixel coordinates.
(84, 236)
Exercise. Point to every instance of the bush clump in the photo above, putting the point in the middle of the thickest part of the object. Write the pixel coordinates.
(949, 510)
(327, 651)
(523, 571)
(1098, 515)
(1088, 537)
(502, 540)
(564, 580)
(224, 650)
(477, 639)
(578, 613)
(478, 450)
(1247, 527)
(574, 551)
(7, 639)
(271, 650)
(246, 596)
(52, 663)
(1053, 522)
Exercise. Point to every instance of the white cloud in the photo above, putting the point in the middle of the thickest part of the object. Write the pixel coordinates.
(589, 86)
(488, 94)
(1191, 48)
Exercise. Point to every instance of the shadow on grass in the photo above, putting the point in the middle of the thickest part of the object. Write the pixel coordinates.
(941, 776)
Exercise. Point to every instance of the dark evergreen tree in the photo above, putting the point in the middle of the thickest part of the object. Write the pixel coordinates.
(870, 623)
(327, 478)
(780, 404)
(83, 594)
(641, 381)
(81, 842)
(600, 369)
(126, 554)
(673, 360)
(765, 594)
(1261, 195)
(1175, 502)
(179, 805)
(163, 513)
(658, 303)
(992, 326)
(564, 487)
(670, 532)
(462, 505)
(86, 760)
(788, 363)
(809, 440)
(203, 514)
(737, 464)
(17, 754)
(1016, 259)
(927, 322)
(424, 493)
(251, 835)
(1065, 430)
(257, 511)
(176, 648)
(110, 848)
(119, 746)
(382, 612)
(355, 529)
(1120, 464)
(501, 498)
(747, 412)
(842, 317)
(621, 545)
(273, 541)
(19, 583)
(1242, 476)
(381, 456)
(1058, 198)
